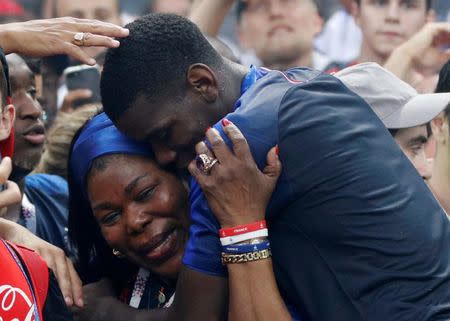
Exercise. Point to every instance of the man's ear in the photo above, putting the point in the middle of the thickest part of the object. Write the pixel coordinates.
(242, 35)
(356, 12)
(440, 128)
(203, 80)
(431, 15)
(6, 121)
(318, 23)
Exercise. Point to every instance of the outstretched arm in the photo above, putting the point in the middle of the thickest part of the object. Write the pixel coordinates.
(209, 15)
(49, 37)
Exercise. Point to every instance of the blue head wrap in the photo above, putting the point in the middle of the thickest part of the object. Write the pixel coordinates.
(100, 137)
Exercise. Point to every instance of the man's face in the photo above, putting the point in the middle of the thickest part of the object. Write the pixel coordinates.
(412, 142)
(105, 10)
(170, 128)
(386, 24)
(28, 126)
(279, 31)
(179, 7)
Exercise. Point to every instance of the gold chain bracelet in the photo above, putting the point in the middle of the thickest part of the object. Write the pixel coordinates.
(246, 257)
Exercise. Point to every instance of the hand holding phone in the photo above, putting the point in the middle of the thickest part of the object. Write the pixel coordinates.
(80, 80)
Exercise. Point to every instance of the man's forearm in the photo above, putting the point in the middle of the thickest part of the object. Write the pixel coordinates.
(209, 15)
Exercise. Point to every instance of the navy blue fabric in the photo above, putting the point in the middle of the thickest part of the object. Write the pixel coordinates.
(355, 232)
(50, 195)
(100, 137)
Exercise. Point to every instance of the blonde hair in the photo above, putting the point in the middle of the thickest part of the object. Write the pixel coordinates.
(56, 151)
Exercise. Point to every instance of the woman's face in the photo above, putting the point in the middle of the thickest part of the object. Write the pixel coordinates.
(142, 211)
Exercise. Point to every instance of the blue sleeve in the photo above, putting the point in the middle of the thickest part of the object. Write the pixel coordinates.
(203, 250)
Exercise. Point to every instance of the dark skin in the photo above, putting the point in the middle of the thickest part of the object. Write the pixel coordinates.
(172, 137)
(28, 126)
(172, 131)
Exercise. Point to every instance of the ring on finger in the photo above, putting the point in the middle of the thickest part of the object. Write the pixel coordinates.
(205, 163)
(78, 38)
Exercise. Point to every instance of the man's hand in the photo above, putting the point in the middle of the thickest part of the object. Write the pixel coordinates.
(429, 47)
(67, 277)
(11, 193)
(56, 36)
(425, 52)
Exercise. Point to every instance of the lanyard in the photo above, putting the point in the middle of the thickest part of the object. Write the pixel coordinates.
(139, 288)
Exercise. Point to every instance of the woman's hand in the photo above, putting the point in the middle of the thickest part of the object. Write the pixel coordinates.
(56, 36)
(236, 190)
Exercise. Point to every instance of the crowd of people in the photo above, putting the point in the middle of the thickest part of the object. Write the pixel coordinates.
(225, 160)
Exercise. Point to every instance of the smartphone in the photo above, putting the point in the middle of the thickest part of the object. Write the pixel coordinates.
(84, 77)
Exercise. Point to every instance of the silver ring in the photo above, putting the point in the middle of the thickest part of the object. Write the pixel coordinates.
(78, 38)
(205, 163)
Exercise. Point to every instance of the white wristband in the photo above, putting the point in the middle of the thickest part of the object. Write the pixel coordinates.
(229, 240)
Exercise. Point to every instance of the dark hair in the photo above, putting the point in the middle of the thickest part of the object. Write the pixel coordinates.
(428, 4)
(95, 259)
(153, 61)
(443, 85)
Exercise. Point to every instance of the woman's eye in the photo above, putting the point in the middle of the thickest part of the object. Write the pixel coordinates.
(145, 194)
(110, 218)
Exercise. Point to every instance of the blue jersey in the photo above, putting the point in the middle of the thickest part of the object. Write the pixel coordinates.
(355, 232)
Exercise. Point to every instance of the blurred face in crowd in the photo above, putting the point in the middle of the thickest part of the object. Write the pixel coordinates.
(28, 126)
(179, 7)
(104, 10)
(412, 142)
(279, 31)
(386, 24)
(142, 211)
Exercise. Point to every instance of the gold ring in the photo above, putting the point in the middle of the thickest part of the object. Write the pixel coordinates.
(78, 38)
(205, 163)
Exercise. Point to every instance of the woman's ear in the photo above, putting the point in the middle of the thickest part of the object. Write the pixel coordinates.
(6, 121)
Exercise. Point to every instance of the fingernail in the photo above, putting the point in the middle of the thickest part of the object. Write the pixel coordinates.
(207, 129)
(225, 122)
(277, 150)
(68, 300)
(116, 43)
(91, 61)
(80, 302)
